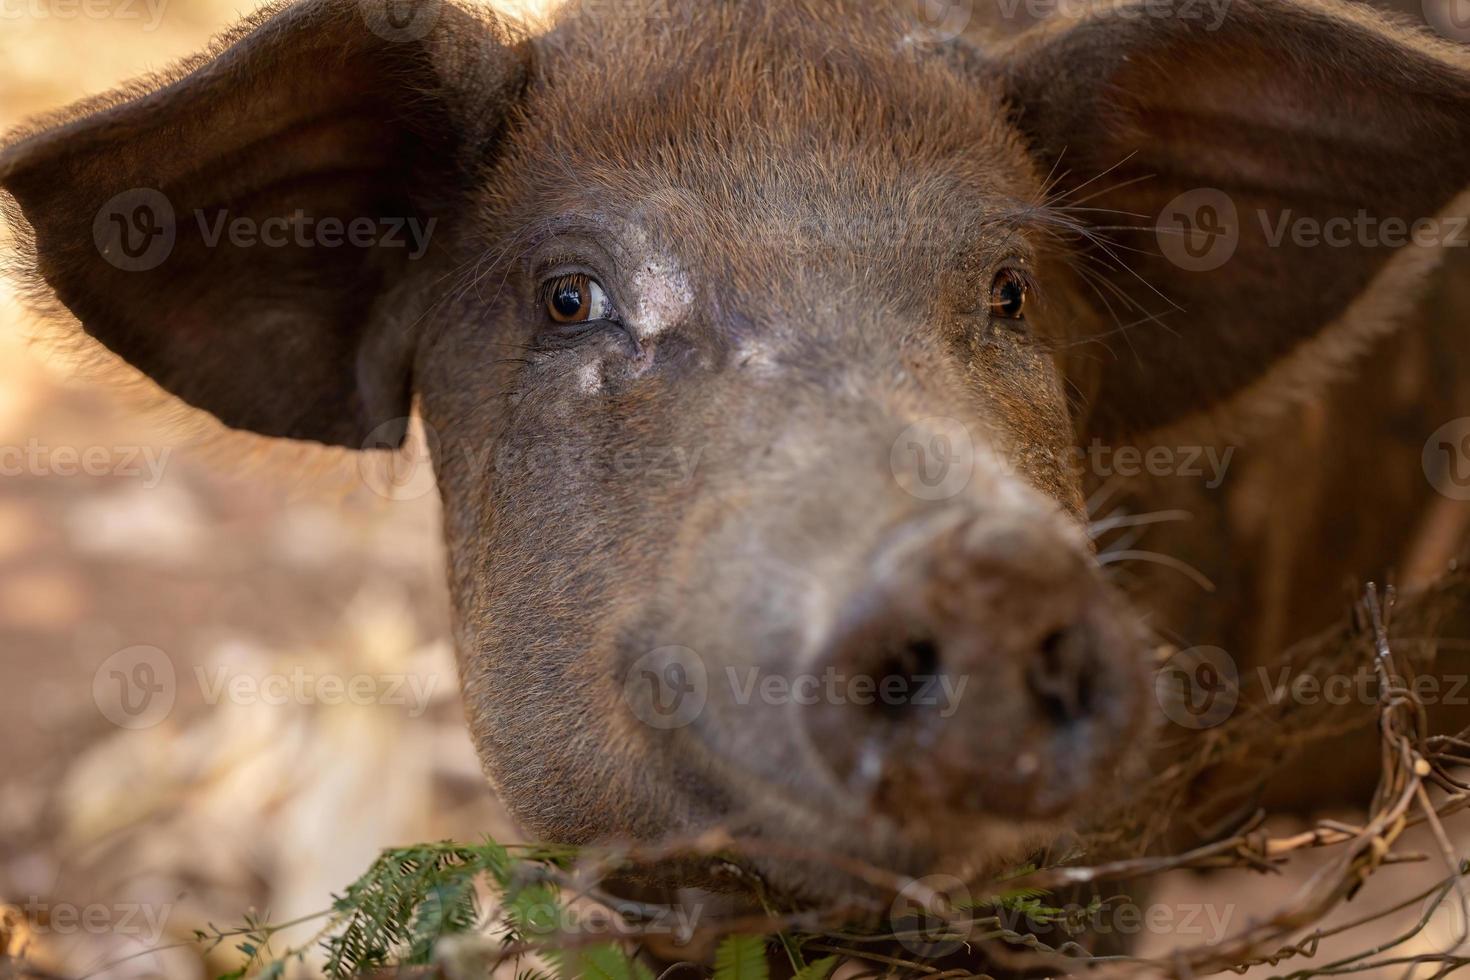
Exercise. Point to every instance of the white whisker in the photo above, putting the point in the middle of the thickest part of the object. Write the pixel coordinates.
(1100, 527)
(1183, 568)
(1102, 495)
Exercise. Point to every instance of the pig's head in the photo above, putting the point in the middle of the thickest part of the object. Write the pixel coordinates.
(752, 338)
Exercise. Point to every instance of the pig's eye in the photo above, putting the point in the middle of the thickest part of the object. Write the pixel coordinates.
(1008, 295)
(576, 299)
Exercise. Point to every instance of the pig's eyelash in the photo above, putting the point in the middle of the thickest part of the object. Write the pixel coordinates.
(979, 308)
(1028, 279)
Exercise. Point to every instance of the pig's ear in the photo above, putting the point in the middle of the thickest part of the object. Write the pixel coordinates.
(243, 229)
(1202, 155)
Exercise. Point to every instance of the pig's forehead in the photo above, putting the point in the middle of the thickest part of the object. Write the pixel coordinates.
(773, 93)
(777, 126)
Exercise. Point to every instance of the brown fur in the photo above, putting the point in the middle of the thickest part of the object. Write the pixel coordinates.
(799, 207)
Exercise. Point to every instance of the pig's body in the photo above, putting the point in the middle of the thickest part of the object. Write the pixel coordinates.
(1330, 496)
(720, 297)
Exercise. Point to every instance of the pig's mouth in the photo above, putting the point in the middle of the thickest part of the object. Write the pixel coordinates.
(806, 856)
(809, 854)
(936, 779)
(960, 709)
(964, 795)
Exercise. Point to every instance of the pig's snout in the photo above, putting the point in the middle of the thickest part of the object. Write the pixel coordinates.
(1004, 678)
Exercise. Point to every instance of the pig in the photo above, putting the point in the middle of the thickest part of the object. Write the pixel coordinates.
(755, 342)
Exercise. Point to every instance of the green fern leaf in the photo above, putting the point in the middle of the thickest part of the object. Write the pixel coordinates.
(603, 963)
(741, 958)
(817, 970)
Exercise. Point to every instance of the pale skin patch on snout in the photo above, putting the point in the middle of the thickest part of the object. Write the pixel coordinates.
(659, 298)
(755, 354)
(590, 377)
(662, 296)
(661, 292)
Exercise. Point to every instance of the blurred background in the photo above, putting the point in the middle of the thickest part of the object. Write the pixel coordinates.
(171, 597)
(137, 545)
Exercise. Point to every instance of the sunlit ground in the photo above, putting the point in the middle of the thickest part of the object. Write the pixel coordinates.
(130, 541)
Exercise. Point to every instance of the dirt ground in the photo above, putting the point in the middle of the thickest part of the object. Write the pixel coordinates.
(138, 547)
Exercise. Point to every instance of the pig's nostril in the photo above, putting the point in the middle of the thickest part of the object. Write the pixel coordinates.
(1061, 677)
(1052, 652)
(919, 657)
(912, 662)
(975, 675)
